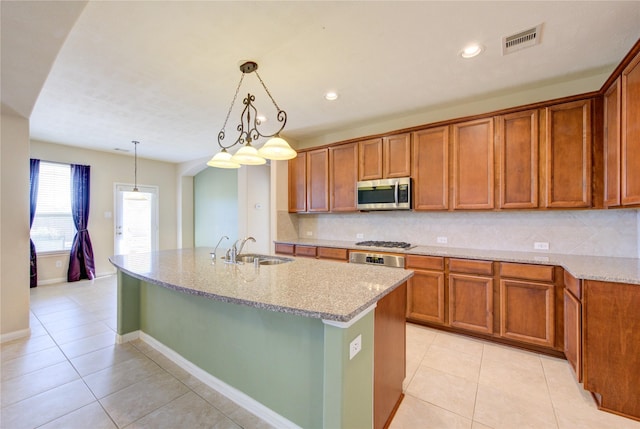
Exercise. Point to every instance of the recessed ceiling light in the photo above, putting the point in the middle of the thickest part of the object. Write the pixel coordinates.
(471, 51)
(261, 118)
(331, 96)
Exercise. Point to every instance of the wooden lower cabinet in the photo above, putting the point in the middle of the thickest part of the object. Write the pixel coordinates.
(573, 333)
(527, 311)
(285, 249)
(426, 289)
(389, 359)
(471, 302)
(333, 253)
(611, 345)
(306, 251)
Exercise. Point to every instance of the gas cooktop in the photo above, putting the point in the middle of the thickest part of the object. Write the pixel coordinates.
(390, 244)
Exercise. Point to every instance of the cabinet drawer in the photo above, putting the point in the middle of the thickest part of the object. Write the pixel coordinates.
(332, 253)
(306, 251)
(542, 273)
(284, 249)
(471, 266)
(425, 262)
(573, 285)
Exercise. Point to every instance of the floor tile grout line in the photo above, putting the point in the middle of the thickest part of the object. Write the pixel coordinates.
(475, 400)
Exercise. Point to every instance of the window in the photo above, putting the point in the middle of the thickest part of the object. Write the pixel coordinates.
(53, 228)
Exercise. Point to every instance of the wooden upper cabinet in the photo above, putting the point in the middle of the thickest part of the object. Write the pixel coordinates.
(396, 155)
(318, 180)
(431, 169)
(568, 154)
(612, 145)
(517, 138)
(343, 176)
(630, 133)
(370, 159)
(473, 164)
(298, 183)
(385, 157)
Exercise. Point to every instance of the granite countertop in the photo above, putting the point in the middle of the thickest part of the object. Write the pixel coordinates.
(619, 270)
(305, 287)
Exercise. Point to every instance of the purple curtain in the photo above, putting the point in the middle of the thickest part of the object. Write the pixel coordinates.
(34, 175)
(81, 264)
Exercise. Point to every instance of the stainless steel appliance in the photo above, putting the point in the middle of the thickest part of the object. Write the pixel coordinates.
(395, 261)
(385, 194)
(389, 244)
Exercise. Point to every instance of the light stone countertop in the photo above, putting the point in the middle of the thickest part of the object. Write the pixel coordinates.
(305, 287)
(609, 269)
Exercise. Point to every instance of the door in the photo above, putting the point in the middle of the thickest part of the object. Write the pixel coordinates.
(136, 221)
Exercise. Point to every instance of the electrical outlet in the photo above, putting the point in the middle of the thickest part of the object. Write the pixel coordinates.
(541, 245)
(58, 264)
(443, 240)
(359, 235)
(355, 346)
(309, 233)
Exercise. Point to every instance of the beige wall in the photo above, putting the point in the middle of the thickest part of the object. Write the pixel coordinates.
(14, 227)
(106, 170)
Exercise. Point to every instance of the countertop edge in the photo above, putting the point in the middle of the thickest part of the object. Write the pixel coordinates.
(579, 266)
(265, 306)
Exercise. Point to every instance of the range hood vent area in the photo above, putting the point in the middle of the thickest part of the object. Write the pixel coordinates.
(522, 40)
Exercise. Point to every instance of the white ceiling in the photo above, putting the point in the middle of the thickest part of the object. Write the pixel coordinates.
(164, 73)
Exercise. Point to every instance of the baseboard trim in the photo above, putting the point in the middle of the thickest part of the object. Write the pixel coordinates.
(10, 336)
(121, 339)
(240, 398)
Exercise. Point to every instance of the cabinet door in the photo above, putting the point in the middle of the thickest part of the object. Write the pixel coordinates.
(370, 159)
(471, 303)
(431, 169)
(631, 133)
(568, 155)
(396, 155)
(343, 176)
(425, 297)
(473, 164)
(572, 333)
(298, 183)
(518, 160)
(527, 312)
(318, 180)
(612, 145)
(611, 345)
(389, 360)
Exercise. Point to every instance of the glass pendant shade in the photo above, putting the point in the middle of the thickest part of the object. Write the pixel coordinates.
(248, 155)
(223, 159)
(277, 148)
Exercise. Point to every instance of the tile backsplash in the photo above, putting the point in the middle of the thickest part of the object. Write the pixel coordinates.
(577, 232)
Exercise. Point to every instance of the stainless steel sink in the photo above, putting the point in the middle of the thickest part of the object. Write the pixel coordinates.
(250, 258)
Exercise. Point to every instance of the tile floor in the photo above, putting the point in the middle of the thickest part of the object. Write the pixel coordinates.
(70, 374)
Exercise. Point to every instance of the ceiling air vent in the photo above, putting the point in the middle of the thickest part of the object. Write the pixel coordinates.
(522, 40)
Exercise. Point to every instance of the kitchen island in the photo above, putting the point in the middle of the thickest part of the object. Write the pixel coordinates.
(274, 338)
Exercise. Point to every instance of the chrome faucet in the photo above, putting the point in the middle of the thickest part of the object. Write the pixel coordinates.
(244, 240)
(213, 254)
(233, 252)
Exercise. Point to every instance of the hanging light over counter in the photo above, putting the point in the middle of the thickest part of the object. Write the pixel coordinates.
(275, 148)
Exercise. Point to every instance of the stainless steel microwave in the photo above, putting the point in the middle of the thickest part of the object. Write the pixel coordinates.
(385, 194)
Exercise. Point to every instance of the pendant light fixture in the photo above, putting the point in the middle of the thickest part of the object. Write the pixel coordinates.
(275, 148)
(135, 165)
